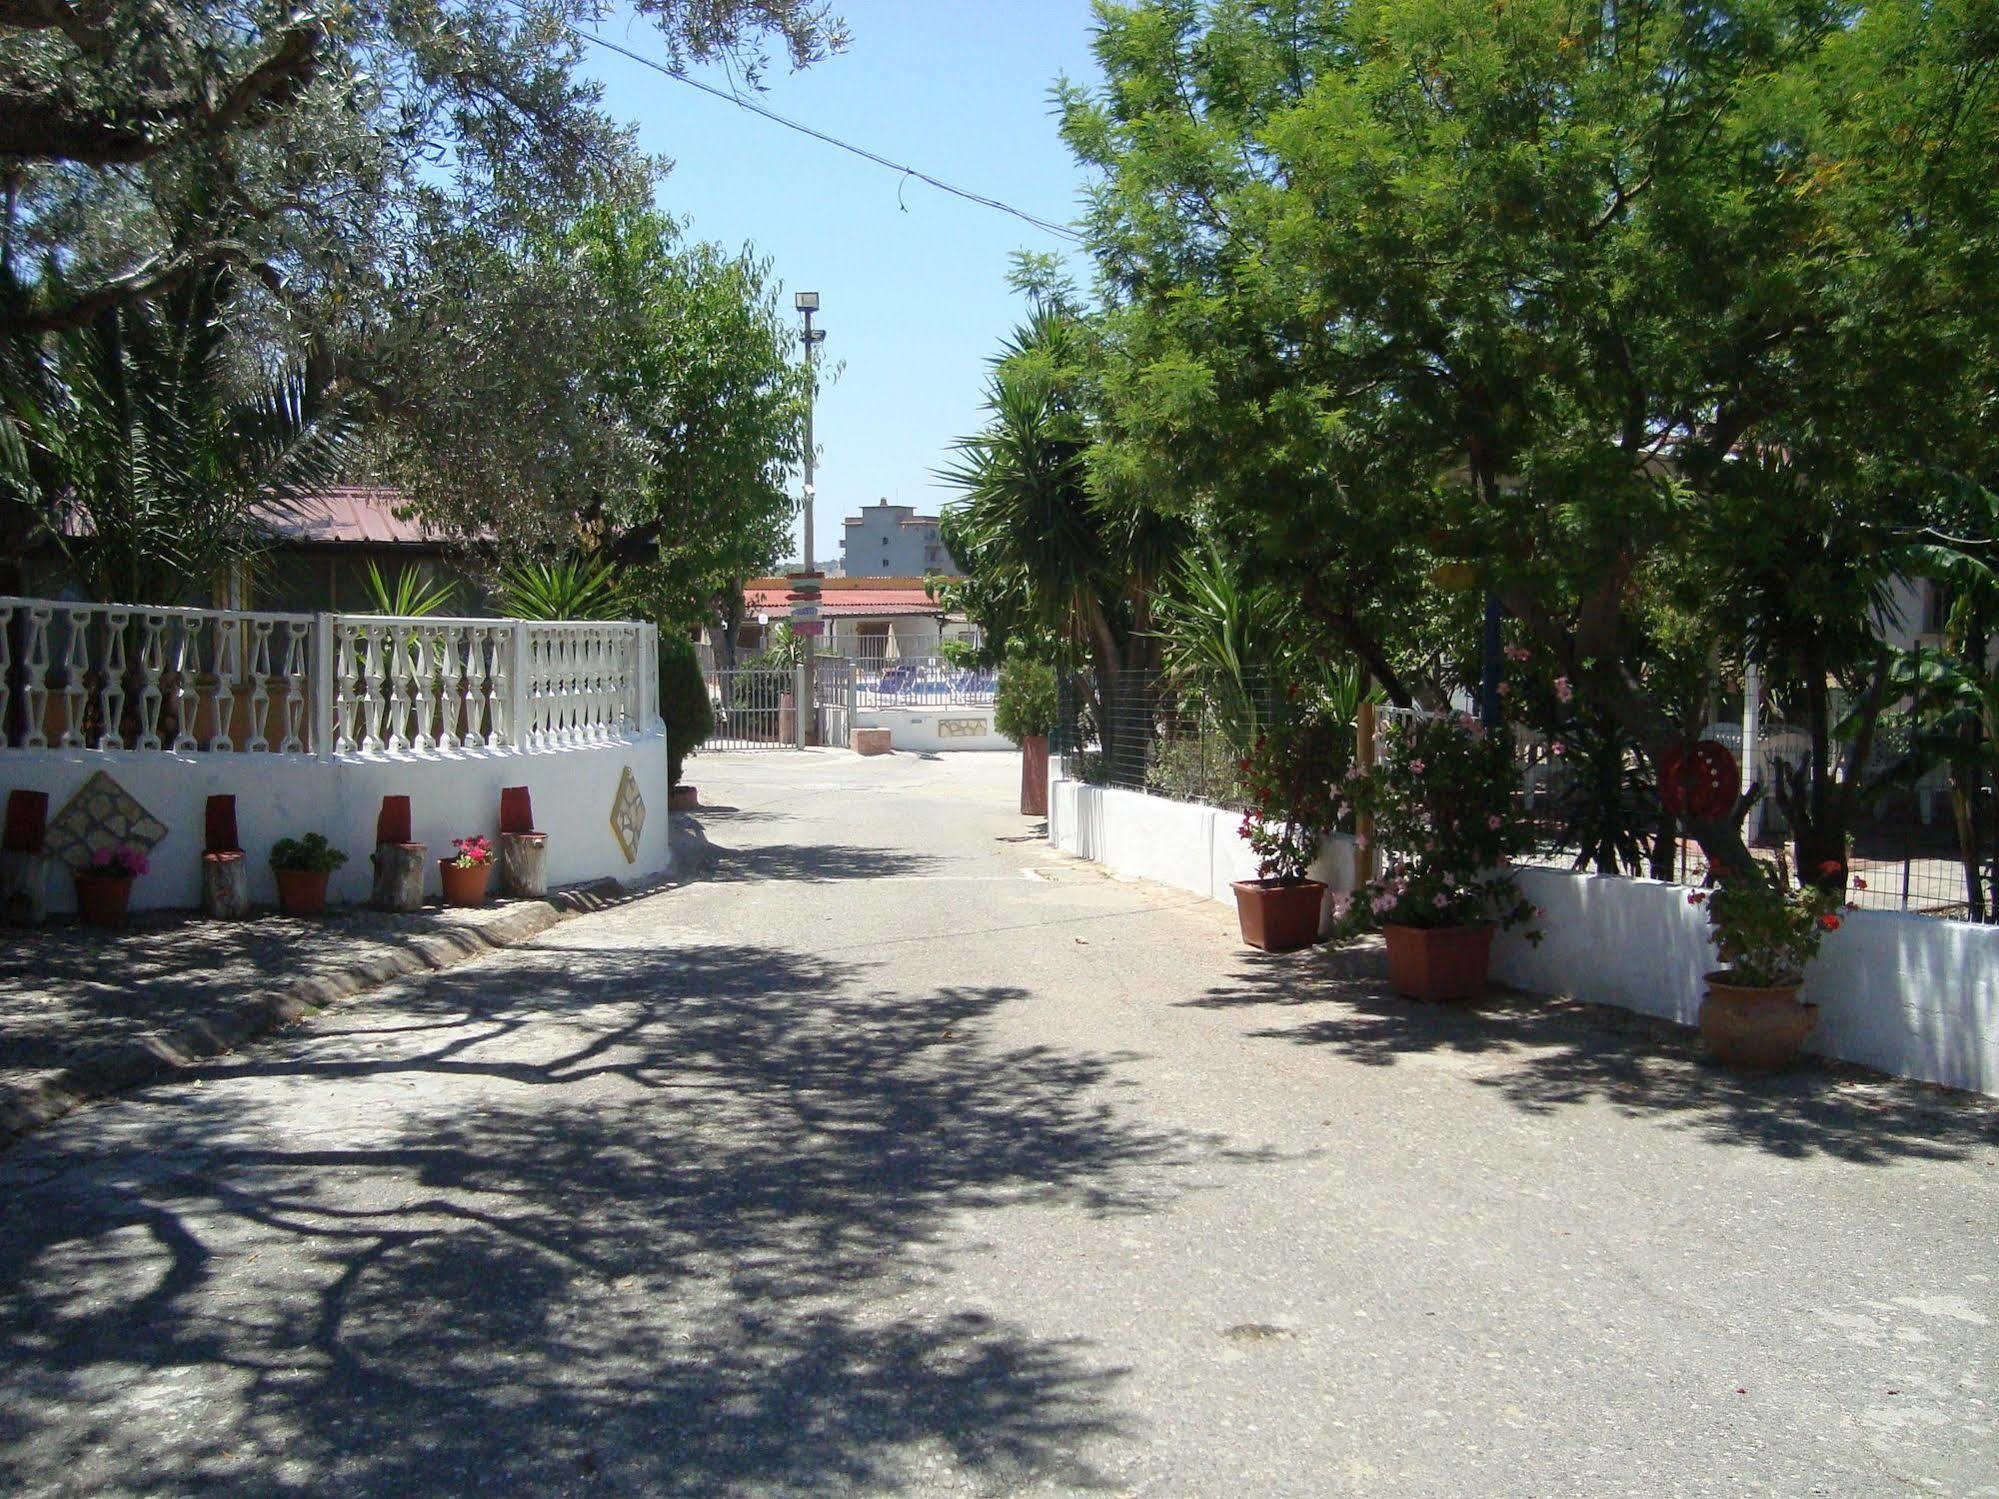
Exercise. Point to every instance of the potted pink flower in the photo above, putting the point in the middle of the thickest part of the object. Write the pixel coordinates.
(467, 872)
(1288, 779)
(104, 885)
(1442, 802)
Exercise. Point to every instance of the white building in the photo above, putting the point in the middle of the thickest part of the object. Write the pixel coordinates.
(893, 541)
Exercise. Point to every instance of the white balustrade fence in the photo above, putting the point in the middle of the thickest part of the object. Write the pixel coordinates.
(138, 677)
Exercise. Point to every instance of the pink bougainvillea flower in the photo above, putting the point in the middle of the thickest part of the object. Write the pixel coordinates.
(1415, 767)
(1440, 900)
(1696, 897)
(1517, 653)
(1495, 822)
(1558, 748)
(1563, 691)
(1859, 883)
(1505, 689)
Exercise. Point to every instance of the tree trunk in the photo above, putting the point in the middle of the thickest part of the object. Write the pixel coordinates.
(399, 871)
(524, 865)
(225, 886)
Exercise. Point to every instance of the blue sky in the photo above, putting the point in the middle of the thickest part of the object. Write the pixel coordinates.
(912, 281)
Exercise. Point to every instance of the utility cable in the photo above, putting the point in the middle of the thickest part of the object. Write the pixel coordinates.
(1047, 226)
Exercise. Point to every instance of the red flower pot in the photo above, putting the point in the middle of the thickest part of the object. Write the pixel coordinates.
(682, 798)
(101, 899)
(1278, 917)
(1440, 962)
(1034, 776)
(301, 892)
(464, 885)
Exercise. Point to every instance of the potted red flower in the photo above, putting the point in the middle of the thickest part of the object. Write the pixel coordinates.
(104, 885)
(1768, 931)
(467, 872)
(1442, 802)
(1288, 781)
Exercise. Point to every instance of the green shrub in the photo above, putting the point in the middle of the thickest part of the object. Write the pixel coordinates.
(1024, 707)
(683, 702)
(311, 853)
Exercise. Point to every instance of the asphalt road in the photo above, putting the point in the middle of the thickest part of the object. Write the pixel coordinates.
(898, 1155)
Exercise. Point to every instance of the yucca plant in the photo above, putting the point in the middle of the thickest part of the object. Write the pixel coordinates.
(414, 593)
(574, 587)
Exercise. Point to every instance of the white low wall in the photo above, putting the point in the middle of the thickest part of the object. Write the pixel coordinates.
(934, 730)
(453, 794)
(1903, 994)
(1182, 844)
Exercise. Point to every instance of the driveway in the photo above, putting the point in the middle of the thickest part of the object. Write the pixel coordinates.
(899, 1155)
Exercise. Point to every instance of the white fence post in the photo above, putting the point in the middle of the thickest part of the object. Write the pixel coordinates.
(517, 688)
(323, 651)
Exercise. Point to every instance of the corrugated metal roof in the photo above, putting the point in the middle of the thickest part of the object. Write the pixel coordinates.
(353, 515)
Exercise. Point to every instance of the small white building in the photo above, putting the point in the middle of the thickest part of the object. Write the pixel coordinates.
(893, 541)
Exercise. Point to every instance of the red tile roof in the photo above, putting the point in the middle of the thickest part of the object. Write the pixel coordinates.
(768, 596)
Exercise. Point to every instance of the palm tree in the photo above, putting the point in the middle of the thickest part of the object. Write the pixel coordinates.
(1046, 549)
(166, 467)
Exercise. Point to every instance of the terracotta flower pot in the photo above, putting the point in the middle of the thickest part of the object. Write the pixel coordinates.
(1755, 1029)
(301, 892)
(1438, 963)
(101, 899)
(1278, 917)
(1034, 776)
(682, 798)
(464, 885)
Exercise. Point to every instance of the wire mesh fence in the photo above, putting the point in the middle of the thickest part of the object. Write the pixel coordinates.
(1144, 731)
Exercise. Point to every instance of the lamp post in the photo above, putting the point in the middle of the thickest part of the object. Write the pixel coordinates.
(807, 303)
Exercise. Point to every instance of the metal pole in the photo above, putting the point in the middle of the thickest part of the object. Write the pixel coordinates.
(807, 642)
(1752, 721)
(1488, 686)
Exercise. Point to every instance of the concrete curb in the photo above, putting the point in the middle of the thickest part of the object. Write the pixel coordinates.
(113, 1069)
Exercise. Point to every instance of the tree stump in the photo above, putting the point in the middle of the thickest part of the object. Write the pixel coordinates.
(24, 887)
(399, 871)
(524, 865)
(225, 885)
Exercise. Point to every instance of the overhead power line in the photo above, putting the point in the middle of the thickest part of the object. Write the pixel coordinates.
(1047, 226)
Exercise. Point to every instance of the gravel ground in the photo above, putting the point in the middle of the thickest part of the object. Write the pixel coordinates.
(900, 1155)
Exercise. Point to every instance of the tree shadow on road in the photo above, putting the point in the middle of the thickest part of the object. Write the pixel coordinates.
(817, 863)
(615, 1215)
(1543, 1054)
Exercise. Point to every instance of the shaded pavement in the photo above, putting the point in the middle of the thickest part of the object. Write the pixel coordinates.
(900, 1155)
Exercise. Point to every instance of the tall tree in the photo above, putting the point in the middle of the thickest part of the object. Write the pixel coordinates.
(1401, 282)
(1045, 547)
(662, 405)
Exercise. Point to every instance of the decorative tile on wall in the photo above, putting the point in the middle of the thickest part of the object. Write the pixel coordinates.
(101, 816)
(628, 815)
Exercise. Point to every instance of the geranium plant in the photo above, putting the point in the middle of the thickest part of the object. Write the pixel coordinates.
(312, 854)
(472, 852)
(1767, 928)
(1441, 798)
(1292, 806)
(121, 863)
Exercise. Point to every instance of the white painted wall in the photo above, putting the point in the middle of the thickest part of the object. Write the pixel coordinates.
(452, 794)
(929, 730)
(1904, 994)
(1190, 847)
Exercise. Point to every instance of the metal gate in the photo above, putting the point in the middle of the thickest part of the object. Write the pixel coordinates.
(752, 710)
(833, 685)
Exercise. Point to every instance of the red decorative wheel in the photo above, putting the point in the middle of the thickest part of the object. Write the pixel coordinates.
(1699, 780)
